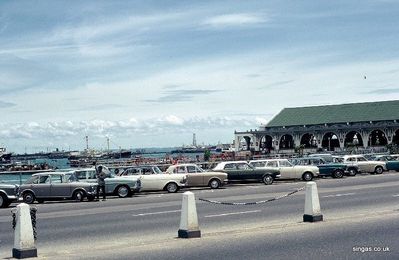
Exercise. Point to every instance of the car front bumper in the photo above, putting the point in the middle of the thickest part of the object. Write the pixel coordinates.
(12, 197)
(91, 193)
(136, 189)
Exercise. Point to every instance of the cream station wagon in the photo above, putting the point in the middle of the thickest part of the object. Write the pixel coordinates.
(287, 169)
(365, 165)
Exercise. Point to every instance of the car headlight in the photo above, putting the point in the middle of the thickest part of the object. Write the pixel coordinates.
(16, 189)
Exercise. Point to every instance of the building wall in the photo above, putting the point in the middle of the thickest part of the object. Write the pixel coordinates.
(364, 130)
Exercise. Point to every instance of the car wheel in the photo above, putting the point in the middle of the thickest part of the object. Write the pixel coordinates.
(352, 172)
(267, 179)
(78, 195)
(338, 174)
(378, 170)
(214, 184)
(123, 191)
(172, 187)
(307, 176)
(4, 203)
(28, 197)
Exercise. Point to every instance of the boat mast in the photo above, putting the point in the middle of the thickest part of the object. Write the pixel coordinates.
(194, 140)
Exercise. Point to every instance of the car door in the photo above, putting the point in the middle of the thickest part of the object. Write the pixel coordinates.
(43, 188)
(82, 176)
(324, 168)
(60, 188)
(151, 181)
(286, 170)
(195, 177)
(232, 171)
(363, 164)
(248, 172)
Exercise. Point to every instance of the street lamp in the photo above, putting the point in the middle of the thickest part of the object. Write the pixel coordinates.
(333, 137)
(355, 141)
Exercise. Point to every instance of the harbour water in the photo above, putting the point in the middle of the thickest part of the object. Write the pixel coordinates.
(14, 178)
(17, 178)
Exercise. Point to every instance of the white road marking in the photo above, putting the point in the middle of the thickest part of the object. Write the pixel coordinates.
(159, 196)
(339, 195)
(156, 213)
(396, 195)
(233, 213)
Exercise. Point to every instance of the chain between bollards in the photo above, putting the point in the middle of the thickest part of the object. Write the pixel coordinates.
(33, 211)
(252, 203)
(14, 218)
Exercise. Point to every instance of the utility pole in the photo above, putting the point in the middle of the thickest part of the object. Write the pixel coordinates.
(108, 143)
(87, 143)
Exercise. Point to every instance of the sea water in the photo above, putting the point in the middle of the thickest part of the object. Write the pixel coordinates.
(14, 178)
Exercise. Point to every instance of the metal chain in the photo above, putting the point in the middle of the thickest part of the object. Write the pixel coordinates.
(33, 211)
(252, 203)
(14, 219)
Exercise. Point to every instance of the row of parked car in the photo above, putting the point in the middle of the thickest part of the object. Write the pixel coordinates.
(80, 184)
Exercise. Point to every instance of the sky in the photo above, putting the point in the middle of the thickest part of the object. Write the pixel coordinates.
(152, 73)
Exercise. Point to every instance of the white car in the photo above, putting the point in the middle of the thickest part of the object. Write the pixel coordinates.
(287, 169)
(153, 179)
(365, 165)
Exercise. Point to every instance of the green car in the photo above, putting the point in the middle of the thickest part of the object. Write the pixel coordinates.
(391, 161)
(114, 185)
(335, 170)
(243, 171)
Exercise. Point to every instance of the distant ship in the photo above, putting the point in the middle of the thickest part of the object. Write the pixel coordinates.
(194, 148)
(190, 149)
(4, 156)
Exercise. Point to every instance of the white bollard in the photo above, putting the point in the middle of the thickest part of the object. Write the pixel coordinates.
(312, 204)
(24, 242)
(189, 220)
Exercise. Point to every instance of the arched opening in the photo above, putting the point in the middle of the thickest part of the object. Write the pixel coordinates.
(286, 142)
(377, 138)
(330, 141)
(309, 141)
(245, 143)
(395, 139)
(353, 138)
(266, 143)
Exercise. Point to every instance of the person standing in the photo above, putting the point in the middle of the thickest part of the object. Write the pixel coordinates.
(100, 174)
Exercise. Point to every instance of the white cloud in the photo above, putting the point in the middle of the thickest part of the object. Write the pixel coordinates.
(170, 124)
(237, 19)
(174, 120)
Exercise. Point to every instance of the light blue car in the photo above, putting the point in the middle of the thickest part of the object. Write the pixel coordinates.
(114, 185)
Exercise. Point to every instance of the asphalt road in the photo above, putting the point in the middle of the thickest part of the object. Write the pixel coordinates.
(361, 211)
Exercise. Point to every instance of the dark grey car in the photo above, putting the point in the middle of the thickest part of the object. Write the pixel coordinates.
(8, 194)
(55, 186)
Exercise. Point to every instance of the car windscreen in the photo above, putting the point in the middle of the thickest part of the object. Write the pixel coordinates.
(33, 179)
(157, 170)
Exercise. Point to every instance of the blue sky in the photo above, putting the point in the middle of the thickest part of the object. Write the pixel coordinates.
(151, 73)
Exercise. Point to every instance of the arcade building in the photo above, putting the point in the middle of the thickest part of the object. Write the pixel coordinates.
(370, 125)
